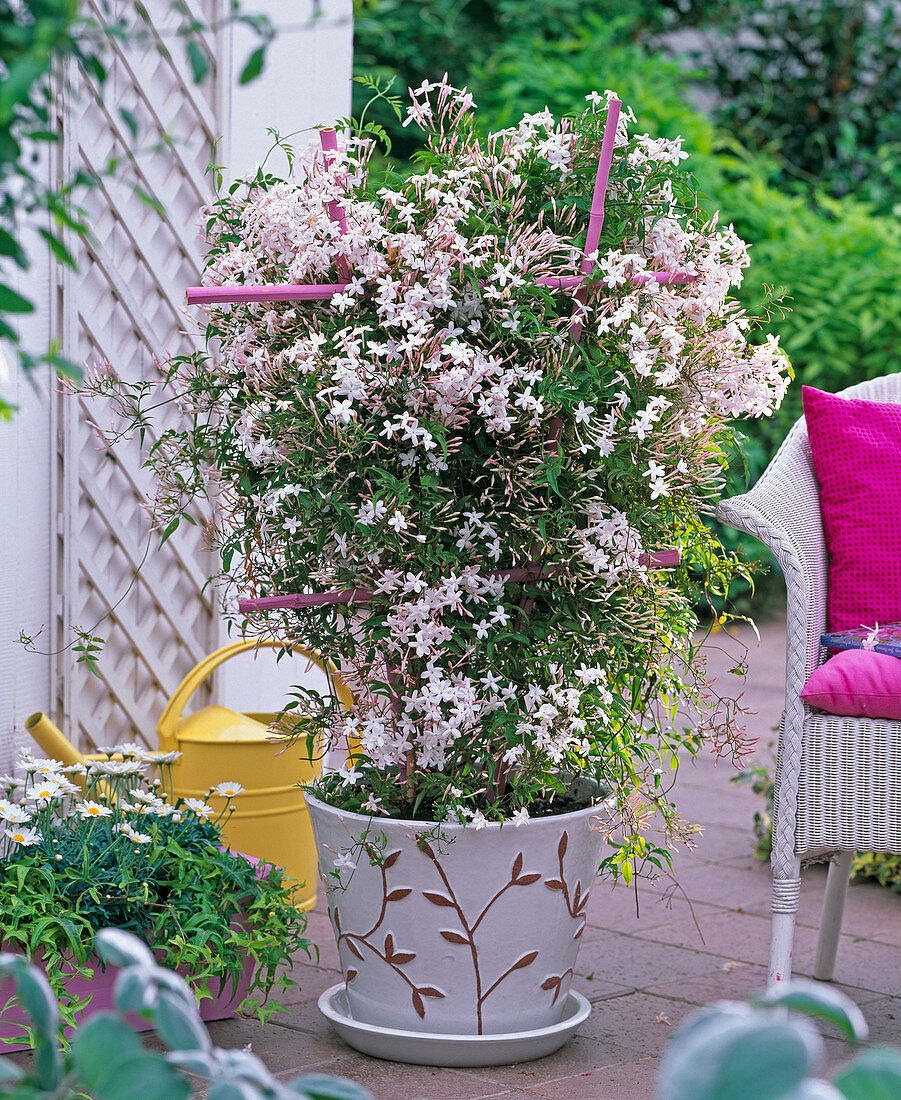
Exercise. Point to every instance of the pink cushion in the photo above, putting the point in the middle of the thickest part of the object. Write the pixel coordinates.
(856, 448)
(857, 682)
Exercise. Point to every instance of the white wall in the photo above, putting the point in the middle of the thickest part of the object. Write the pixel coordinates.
(26, 450)
(306, 82)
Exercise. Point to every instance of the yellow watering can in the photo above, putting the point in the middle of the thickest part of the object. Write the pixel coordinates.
(269, 819)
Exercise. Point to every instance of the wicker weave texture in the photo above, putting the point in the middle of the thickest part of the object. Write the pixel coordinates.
(834, 776)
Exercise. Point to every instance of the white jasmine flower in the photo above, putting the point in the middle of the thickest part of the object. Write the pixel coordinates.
(520, 817)
(479, 821)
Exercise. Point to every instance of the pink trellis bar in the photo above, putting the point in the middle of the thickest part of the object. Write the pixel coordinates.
(662, 559)
(311, 292)
(307, 292)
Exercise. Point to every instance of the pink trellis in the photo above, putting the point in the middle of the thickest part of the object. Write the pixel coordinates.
(293, 292)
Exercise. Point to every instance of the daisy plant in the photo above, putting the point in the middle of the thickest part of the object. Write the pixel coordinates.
(101, 844)
(453, 452)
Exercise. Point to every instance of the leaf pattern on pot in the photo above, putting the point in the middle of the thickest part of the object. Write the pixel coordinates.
(388, 953)
(555, 982)
(466, 937)
(575, 901)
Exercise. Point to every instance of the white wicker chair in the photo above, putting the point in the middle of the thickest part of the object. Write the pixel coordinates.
(837, 787)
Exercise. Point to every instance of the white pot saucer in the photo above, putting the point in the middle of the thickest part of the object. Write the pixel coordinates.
(425, 1049)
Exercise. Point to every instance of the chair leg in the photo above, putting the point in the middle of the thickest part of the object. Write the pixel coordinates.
(831, 920)
(786, 892)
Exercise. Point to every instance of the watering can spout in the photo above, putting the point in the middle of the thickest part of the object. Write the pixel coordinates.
(51, 739)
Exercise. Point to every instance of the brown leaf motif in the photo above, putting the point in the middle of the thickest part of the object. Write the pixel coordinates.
(417, 1003)
(438, 899)
(453, 937)
(400, 892)
(525, 961)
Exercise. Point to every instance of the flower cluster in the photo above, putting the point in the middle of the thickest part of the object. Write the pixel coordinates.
(53, 801)
(105, 844)
(455, 414)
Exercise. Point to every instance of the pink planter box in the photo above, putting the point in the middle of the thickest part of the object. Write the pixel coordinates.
(14, 1020)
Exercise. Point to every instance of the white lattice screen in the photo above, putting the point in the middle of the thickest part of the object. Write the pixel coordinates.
(124, 306)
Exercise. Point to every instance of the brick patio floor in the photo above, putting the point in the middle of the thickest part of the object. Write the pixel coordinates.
(642, 974)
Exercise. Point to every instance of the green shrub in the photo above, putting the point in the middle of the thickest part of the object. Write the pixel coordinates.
(819, 83)
(835, 261)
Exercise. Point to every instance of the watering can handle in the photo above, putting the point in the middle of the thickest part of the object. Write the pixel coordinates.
(170, 717)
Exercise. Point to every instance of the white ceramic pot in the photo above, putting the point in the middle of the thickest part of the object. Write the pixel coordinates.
(453, 930)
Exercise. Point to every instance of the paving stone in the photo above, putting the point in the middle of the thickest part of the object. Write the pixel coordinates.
(728, 981)
(883, 1016)
(723, 842)
(398, 1081)
(311, 981)
(633, 1080)
(582, 1054)
(742, 937)
(643, 969)
(281, 1048)
(637, 963)
(643, 1021)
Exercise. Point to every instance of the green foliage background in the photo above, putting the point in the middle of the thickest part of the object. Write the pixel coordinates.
(801, 154)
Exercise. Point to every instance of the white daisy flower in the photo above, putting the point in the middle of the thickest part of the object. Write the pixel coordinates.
(16, 815)
(199, 807)
(229, 790)
(159, 757)
(147, 798)
(89, 809)
(25, 837)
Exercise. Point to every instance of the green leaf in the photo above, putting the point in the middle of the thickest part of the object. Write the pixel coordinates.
(120, 948)
(130, 121)
(253, 66)
(9, 246)
(37, 999)
(823, 1003)
(148, 199)
(113, 1065)
(320, 1087)
(9, 1071)
(58, 249)
(732, 1052)
(874, 1075)
(11, 302)
(178, 1027)
(170, 529)
(199, 61)
(232, 1090)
